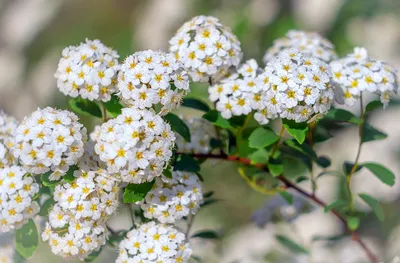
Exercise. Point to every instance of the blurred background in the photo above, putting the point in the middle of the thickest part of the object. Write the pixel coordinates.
(33, 33)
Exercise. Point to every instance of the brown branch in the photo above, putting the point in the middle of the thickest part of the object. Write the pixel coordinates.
(355, 236)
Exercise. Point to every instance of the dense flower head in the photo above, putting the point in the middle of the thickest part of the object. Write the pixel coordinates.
(154, 243)
(201, 134)
(8, 126)
(50, 140)
(150, 78)
(205, 47)
(88, 70)
(357, 73)
(6, 254)
(17, 191)
(238, 94)
(93, 196)
(73, 239)
(295, 86)
(171, 199)
(306, 42)
(137, 144)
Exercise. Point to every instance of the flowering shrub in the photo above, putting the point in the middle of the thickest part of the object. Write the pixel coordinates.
(149, 158)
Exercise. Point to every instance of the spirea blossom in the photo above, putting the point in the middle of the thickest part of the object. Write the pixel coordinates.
(172, 199)
(205, 47)
(73, 239)
(296, 86)
(50, 140)
(88, 70)
(153, 243)
(93, 196)
(201, 134)
(149, 78)
(359, 73)
(8, 126)
(239, 94)
(307, 42)
(6, 254)
(137, 144)
(17, 190)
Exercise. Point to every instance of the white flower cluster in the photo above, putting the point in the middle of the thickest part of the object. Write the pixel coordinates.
(50, 140)
(205, 47)
(137, 144)
(172, 199)
(6, 254)
(238, 94)
(8, 126)
(307, 42)
(88, 70)
(201, 134)
(76, 224)
(358, 72)
(154, 243)
(296, 86)
(149, 78)
(17, 190)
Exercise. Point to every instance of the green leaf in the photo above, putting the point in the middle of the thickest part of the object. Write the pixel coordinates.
(46, 181)
(335, 205)
(113, 106)
(195, 104)
(304, 148)
(287, 196)
(168, 172)
(85, 107)
(27, 239)
(18, 258)
(207, 234)
(373, 105)
(208, 202)
(69, 176)
(215, 118)
(343, 115)
(186, 163)
(137, 192)
(291, 245)
(375, 205)
(208, 194)
(353, 223)
(275, 169)
(323, 161)
(45, 207)
(237, 121)
(261, 138)
(92, 256)
(259, 156)
(297, 130)
(384, 174)
(178, 126)
(116, 238)
(348, 166)
(369, 133)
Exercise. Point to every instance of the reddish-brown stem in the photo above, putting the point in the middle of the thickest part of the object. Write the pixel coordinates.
(289, 184)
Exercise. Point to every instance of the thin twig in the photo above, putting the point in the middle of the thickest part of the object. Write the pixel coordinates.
(289, 184)
(190, 224)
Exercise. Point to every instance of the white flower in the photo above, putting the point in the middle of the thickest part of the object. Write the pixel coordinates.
(172, 199)
(137, 144)
(16, 194)
(153, 243)
(8, 127)
(50, 140)
(149, 78)
(205, 47)
(294, 86)
(202, 132)
(359, 73)
(88, 70)
(6, 254)
(306, 42)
